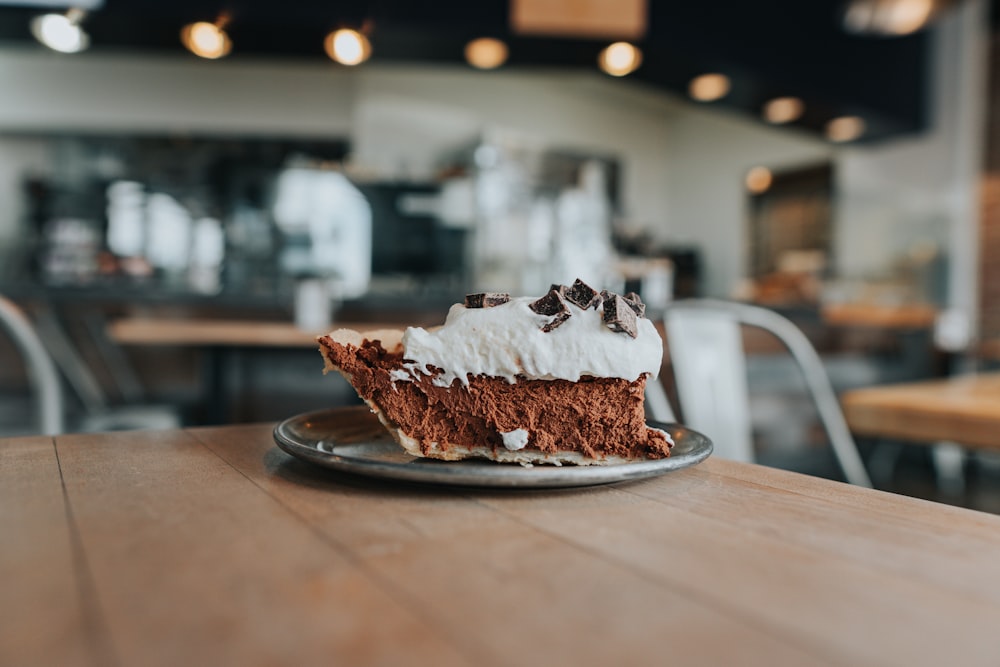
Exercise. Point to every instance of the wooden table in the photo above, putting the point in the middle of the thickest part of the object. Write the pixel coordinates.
(212, 547)
(227, 333)
(961, 409)
(224, 342)
(901, 316)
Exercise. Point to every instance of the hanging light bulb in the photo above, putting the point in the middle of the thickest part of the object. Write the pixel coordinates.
(486, 53)
(620, 59)
(783, 110)
(758, 180)
(709, 87)
(207, 40)
(890, 17)
(61, 32)
(845, 128)
(347, 46)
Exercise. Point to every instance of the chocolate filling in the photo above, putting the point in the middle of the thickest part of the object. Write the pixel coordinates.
(598, 417)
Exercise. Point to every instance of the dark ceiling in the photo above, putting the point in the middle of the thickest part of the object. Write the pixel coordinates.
(768, 47)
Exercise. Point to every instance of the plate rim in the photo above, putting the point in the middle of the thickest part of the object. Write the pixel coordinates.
(471, 473)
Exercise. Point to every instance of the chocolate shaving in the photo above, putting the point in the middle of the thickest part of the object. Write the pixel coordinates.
(559, 289)
(618, 314)
(551, 304)
(583, 295)
(556, 321)
(635, 302)
(486, 299)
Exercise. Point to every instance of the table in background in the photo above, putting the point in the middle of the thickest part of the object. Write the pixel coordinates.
(225, 333)
(897, 317)
(964, 409)
(223, 340)
(212, 547)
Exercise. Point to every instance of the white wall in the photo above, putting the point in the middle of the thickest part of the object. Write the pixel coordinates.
(19, 157)
(44, 91)
(101, 92)
(397, 117)
(926, 188)
(683, 164)
(709, 153)
(557, 109)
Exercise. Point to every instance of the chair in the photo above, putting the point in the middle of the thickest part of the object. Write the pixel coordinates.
(48, 362)
(710, 371)
(41, 370)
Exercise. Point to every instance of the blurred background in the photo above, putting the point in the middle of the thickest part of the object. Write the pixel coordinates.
(282, 167)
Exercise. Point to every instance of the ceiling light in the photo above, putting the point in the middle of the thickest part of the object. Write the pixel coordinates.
(782, 110)
(709, 87)
(486, 53)
(845, 128)
(347, 47)
(207, 40)
(758, 180)
(61, 32)
(887, 17)
(619, 59)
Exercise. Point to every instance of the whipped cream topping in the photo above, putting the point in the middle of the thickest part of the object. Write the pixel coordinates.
(666, 436)
(515, 440)
(507, 341)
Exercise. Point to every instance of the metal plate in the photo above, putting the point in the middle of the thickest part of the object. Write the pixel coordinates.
(353, 440)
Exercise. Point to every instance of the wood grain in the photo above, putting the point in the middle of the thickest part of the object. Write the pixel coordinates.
(211, 546)
(507, 589)
(193, 564)
(963, 409)
(42, 619)
(788, 566)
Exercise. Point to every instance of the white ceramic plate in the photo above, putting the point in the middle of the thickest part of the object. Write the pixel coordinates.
(352, 440)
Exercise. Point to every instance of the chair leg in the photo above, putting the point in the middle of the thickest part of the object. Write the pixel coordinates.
(882, 461)
(949, 467)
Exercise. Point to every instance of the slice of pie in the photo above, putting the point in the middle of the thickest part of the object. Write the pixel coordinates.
(557, 379)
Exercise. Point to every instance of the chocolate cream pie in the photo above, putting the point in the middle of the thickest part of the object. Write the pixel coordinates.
(557, 379)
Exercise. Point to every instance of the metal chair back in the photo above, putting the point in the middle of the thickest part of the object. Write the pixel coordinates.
(707, 354)
(42, 371)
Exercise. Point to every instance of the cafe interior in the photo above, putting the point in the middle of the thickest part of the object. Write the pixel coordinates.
(191, 192)
(790, 209)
